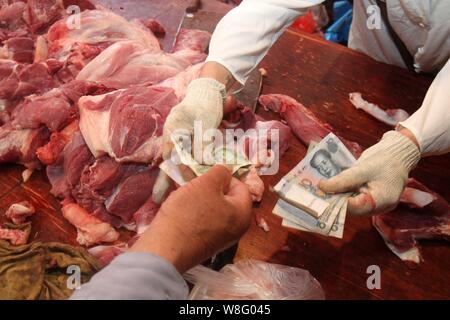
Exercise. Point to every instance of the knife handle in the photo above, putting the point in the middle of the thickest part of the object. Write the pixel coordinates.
(193, 6)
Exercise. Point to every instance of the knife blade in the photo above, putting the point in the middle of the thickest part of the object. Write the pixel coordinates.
(249, 93)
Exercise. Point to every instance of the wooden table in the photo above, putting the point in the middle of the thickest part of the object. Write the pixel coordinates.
(320, 75)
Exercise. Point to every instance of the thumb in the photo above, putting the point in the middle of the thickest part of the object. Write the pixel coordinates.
(362, 204)
(162, 185)
(348, 180)
(218, 177)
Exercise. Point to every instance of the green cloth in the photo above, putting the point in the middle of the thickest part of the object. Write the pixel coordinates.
(39, 270)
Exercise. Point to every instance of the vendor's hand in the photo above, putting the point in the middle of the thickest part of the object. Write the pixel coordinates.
(379, 175)
(203, 217)
(203, 103)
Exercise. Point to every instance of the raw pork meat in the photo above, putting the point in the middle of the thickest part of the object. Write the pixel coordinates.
(131, 63)
(90, 229)
(305, 125)
(254, 183)
(180, 82)
(12, 23)
(98, 30)
(39, 14)
(429, 220)
(145, 215)
(20, 146)
(192, 39)
(65, 173)
(390, 117)
(20, 80)
(126, 124)
(401, 231)
(20, 49)
(49, 153)
(106, 187)
(19, 212)
(420, 196)
(15, 236)
(55, 109)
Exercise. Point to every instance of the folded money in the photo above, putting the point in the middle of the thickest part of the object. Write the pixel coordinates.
(181, 167)
(302, 204)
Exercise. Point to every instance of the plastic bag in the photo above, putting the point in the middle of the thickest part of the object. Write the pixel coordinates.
(254, 280)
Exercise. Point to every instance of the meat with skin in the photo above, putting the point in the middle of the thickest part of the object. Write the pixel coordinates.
(401, 231)
(390, 117)
(126, 124)
(19, 212)
(55, 109)
(15, 236)
(131, 63)
(180, 82)
(192, 39)
(20, 145)
(90, 229)
(304, 124)
(98, 30)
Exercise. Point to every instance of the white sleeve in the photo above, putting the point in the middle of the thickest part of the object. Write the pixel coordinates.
(243, 37)
(431, 123)
(135, 276)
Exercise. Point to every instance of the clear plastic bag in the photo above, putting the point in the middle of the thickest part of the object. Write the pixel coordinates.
(254, 280)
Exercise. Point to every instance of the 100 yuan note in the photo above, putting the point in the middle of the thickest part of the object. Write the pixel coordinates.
(300, 186)
(336, 231)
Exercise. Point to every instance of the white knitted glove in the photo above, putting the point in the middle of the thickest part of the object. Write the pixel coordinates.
(379, 175)
(203, 102)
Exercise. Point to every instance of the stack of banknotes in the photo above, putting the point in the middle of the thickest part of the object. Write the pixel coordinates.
(302, 205)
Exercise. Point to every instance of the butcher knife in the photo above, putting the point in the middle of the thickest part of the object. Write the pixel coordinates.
(248, 94)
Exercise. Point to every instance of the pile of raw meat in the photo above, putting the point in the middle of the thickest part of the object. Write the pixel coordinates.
(88, 104)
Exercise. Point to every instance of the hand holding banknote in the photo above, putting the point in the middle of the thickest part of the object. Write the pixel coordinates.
(379, 175)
